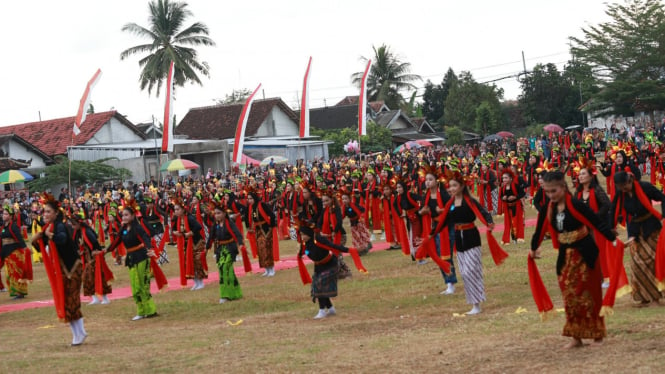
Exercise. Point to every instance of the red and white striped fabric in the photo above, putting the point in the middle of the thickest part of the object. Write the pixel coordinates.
(304, 103)
(167, 133)
(242, 125)
(85, 102)
(362, 103)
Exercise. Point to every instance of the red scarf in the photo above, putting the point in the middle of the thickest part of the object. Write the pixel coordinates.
(387, 215)
(186, 267)
(53, 271)
(304, 274)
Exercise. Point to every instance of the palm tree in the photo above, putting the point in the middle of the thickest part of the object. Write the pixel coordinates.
(169, 42)
(387, 77)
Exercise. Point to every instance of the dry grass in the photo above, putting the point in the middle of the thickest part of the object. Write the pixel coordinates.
(391, 320)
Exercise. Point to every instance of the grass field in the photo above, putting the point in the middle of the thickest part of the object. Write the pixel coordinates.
(390, 320)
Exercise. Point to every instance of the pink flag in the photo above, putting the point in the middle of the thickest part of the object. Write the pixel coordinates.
(167, 131)
(362, 103)
(242, 124)
(304, 104)
(85, 102)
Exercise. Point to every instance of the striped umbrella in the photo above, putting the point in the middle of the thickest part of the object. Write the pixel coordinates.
(13, 176)
(178, 164)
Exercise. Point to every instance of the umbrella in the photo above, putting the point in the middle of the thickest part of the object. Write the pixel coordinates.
(505, 134)
(275, 159)
(573, 127)
(424, 143)
(491, 138)
(178, 164)
(408, 145)
(553, 127)
(13, 176)
(246, 160)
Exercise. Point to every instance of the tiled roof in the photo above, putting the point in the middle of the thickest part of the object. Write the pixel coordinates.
(7, 163)
(220, 121)
(349, 100)
(335, 117)
(377, 105)
(53, 136)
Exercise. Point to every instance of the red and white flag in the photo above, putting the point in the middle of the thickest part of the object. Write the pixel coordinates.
(362, 103)
(85, 102)
(242, 125)
(167, 130)
(304, 103)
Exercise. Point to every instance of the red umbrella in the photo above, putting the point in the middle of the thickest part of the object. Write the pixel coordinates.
(553, 127)
(505, 134)
(424, 143)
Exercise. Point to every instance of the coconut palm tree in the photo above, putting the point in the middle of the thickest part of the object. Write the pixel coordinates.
(387, 77)
(168, 41)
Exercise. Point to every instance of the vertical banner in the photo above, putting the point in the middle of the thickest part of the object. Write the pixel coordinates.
(362, 103)
(304, 103)
(167, 130)
(85, 102)
(242, 124)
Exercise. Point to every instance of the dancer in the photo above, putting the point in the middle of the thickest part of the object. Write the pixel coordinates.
(577, 266)
(191, 246)
(260, 220)
(324, 282)
(407, 204)
(226, 238)
(359, 232)
(139, 250)
(15, 256)
(633, 202)
(63, 267)
(460, 212)
(97, 276)
(511, 195)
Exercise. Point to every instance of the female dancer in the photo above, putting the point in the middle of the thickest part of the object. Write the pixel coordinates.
(577, 266)
(191, 246)
(633, 202)
(324, 282)
(260, 220)
(224, 235)
(63, 267)
(139, 251)
(460, 211)
(15, 256)
(330, 224)
(432, 206)
(97, 277)
(359, 232)
(621, 161)
(591, 193)
(511, 195)
(407, 205)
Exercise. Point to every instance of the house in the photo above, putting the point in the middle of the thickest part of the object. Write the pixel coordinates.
(52, 137)
(272, 129)
(344, 114)
(267, 118)
(16, 153)
(150, 130)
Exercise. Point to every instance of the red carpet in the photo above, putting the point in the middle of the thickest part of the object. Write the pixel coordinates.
(213, 277)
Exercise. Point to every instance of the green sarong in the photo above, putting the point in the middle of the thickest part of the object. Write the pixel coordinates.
(139, 278)
(229, 288)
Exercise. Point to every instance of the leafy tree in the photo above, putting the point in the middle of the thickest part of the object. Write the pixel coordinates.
(82, 172)
(434, 98)
(387, 77)
(488, 119)
(464, 98)
(454, 135)
(169, 41)
(549, 96)
(627, 54)
(236, 96)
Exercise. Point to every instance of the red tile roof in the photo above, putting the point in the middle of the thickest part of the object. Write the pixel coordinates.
(54, 136)
(221, 121)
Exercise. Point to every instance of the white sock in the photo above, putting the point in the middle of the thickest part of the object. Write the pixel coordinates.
(75, 333)
(451, 287)
(95, 300)
(82, 327)
(105, 299)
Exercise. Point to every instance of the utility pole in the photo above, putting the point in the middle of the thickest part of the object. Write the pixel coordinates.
(524, 64)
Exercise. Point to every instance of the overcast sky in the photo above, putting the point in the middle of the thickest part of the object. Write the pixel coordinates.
(52, 48)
